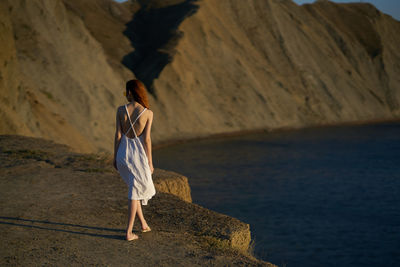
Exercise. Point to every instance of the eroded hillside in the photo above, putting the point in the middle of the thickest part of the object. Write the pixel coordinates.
(210, 66)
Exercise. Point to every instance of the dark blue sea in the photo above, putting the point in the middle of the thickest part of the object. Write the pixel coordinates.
(327, 196)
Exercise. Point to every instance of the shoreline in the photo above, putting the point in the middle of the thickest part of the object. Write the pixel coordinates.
(223, 135)
(80, 202)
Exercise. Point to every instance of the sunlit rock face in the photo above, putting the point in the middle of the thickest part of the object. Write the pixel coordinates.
(209, 66)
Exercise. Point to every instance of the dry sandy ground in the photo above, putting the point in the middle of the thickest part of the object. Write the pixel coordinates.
(64, 209)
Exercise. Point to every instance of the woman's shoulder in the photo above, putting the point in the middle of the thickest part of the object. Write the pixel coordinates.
(121, 109)
(149, 113)
(144, 109)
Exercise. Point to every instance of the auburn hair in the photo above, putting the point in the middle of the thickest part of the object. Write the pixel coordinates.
(138, 91)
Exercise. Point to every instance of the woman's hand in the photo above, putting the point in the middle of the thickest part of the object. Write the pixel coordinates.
(151, 168)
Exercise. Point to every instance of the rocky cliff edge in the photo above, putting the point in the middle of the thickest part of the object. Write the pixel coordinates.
(58, 207)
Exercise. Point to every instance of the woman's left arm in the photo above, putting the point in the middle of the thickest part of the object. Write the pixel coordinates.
(117, 139)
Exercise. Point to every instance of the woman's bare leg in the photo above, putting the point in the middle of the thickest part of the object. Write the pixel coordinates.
(132, 209)
(140, 215)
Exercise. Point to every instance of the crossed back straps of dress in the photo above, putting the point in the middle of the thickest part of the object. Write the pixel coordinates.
(130, 121)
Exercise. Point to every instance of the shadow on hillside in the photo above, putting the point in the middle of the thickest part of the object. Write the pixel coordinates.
(14, 221)
(154, 33)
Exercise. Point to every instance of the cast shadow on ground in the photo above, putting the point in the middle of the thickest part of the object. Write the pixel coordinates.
(154, 34)
(9, 221)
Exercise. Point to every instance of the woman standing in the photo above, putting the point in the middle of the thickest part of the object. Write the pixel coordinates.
(132, 152)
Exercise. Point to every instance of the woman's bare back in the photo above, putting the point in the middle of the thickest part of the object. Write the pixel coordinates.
(134, 110)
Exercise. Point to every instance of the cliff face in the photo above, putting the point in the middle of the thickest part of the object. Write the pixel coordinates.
(210, 66)
(56, 80)
(273, 64)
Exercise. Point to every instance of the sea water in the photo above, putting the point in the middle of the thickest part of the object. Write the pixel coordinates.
(326, 196)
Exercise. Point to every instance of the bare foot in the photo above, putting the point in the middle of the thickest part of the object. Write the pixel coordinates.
(146, 229)
(131, 236)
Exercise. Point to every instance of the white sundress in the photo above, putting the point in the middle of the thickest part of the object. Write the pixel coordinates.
(133, 165)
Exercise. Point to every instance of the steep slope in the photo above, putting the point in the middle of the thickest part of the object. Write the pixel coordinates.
(9, 77)
(105, 20)
(210, 66)
(60, 84)
(274, 64)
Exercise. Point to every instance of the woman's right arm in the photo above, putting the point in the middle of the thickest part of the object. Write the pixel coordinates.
(147, 140)
(117, 138)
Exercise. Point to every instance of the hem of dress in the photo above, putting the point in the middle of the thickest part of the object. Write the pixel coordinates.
(142, 200)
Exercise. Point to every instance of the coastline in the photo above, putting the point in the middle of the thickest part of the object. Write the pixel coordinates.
(293, 179)
(56, 205)
(223, 135)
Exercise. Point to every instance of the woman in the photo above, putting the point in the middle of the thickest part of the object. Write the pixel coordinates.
(132, 152)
